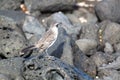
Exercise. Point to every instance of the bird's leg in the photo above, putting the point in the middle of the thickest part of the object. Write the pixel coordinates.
(47, 55)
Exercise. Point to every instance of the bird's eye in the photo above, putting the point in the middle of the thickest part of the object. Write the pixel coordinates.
(57, 24)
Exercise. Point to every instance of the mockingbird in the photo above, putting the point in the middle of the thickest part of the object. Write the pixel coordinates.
(46, 41)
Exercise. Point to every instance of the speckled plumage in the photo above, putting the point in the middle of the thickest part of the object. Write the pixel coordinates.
(46, 41)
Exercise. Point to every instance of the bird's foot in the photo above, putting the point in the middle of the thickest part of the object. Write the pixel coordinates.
(49, 57)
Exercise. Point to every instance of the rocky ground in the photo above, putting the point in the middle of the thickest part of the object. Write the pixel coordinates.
(87, 47)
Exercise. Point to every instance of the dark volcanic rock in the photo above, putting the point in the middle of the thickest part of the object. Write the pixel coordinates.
(88, 66)
(5, 77)
(86, 45)
(99, 59)
(85, 20)
(16, 16)
(33, 29)
(117, 47)
(12, 39)
(114, 65)
(81, 61)
(42, 68)
(11, 69)
(108, 48)
(108, 10)
(89, 31)
(85, 17)
(110, 31)
(50, 69)
(88, 38)
(49, 5)
(108, 75)
(9, 4)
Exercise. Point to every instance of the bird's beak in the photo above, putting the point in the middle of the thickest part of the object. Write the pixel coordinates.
(60, 23)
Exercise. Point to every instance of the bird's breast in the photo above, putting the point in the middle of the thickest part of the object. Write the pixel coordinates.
(55, 31)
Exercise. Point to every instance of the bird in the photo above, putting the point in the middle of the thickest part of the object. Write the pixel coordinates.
(46, 41)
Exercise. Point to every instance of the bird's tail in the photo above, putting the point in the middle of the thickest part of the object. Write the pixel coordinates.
(27, 50)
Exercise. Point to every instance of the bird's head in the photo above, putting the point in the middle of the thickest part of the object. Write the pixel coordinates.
(57, 24)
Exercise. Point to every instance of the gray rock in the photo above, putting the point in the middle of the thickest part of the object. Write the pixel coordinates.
(82, 62)
(32, 27)
(116, 54)
(4, 77)
(11, 69)
(86, 64)
(109, 75)
(49, 5)
(60, 17)
(12, 39)
(89, 31)
(74, 21)
(11, 17)
(73, 18)
(110, 31)
(51, 68)
(16, 16)
(114, 75)
(99, 59)
(39, 67)
(114, 65)
(117, 47)
(85, 17)
(9, 5)
(86, 44)
(108, 10)
(67, 57)
(108, 48)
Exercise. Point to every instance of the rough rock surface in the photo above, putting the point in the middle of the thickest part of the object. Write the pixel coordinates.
(113, 65)
(98, 59)
(32, 28)
(109, 75)
(16, 16)
(117, 47)
(108, 48)
(42, 68)
(9, 5)
(85, 17)
(89, 31)
(49, 5)
(51, 68)
(86, 45)
(110, 32)
(4, 77)
(10, 36)
(108, 10)
(11, 69)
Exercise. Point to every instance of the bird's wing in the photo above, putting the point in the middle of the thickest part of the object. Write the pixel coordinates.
(46, 40)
